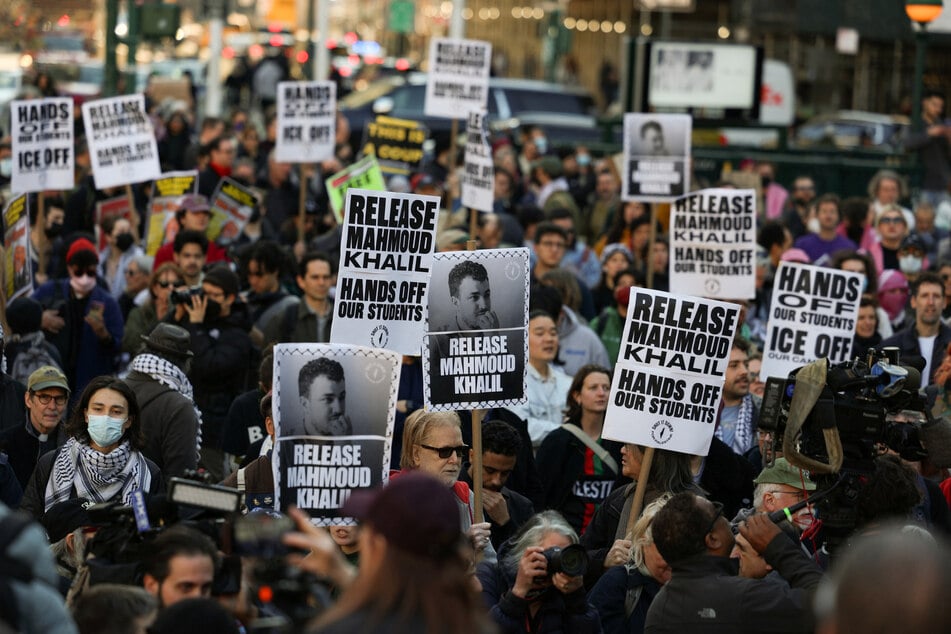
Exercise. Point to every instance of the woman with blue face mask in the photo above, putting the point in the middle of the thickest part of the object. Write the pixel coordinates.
(101, 460)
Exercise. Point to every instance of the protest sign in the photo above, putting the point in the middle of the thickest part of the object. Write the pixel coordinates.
(306, 121)
(386, 255)
(167, 192)
(458, 79)
(116, 207)
(329, 446)
(713, 244)
(812, 316)
(122, 147)
(17, 276)
(669, 374)
(41, 135)
(231, 207)
(478, 178)
(364, 174)
(475, 346)
(397, 144)
(656, 156)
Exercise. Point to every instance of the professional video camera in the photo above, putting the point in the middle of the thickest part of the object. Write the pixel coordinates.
(834, 420)
(122, 545)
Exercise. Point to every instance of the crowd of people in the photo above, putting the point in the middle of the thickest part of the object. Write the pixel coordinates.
(124, 369)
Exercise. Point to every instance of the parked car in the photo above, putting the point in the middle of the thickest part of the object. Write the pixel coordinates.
(566, 112)
(852, 129)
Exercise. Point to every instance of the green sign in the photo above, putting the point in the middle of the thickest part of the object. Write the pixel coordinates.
(364, 174)
(401, 16)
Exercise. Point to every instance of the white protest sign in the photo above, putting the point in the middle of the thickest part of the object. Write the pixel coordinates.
(328, 445)
(478, 178)
(386, 255)
(713, 244)
(458, 79)
(41, 134)
(306, 121)
(476, 348)
(656, 156)
(669, 374)
(812, 316)
(122, 147)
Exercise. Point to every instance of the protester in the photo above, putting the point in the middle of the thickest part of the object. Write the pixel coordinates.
(181, 565)
(927, 337)
(267, 299)
(193, 214)
(102, 459)
(143, 319)
(115, 609)
(310, 319)
(256, 480)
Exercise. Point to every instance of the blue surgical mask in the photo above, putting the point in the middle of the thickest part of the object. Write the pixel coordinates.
(583, 159)
(541, 144)
(105, 430)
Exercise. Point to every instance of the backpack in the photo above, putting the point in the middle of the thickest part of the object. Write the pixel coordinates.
(29, 353)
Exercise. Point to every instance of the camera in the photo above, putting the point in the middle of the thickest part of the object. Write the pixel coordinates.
(184, 295)
(571, 560)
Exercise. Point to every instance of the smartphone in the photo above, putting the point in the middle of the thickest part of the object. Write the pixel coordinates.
(96, 307)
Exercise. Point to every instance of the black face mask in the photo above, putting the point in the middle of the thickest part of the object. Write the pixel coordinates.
(54, 230)
(212, 310)
(124, 241)
(255, 215)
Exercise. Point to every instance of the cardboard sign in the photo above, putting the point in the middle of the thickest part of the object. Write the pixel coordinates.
(478, 179)
(17, 273)
(231, 207)
(669, 375)
(713, 244)
(122, 147)
(458, 80)
(476, 344)
(327, 445)
(306, 121)
(386, 255)
(41, 134)
(364, 174)
(812, 316)
(397, 144)
(167, 192)
(656, 156)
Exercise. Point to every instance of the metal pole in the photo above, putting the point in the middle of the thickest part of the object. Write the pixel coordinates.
(216, 28)
(321, 54)
(111, 78)
(457, 26)
(921, 42)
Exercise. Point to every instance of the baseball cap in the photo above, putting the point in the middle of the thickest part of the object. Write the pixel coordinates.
(784, 473)
(913, 241)
(195, 203)
(415, 513)
(64, 517)
(47, 376)
(550, 165)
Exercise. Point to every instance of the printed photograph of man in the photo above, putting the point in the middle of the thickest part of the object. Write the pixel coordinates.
(471, 298)
(323, 396)
(652, 140)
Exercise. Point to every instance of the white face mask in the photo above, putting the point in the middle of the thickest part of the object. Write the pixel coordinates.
(105, 430)
(813, 225)
(82, 285)
(909, 264)
(6, 167)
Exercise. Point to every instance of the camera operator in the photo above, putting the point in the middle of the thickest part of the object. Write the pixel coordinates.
(181, 566)
(527, 590)
(703, 595)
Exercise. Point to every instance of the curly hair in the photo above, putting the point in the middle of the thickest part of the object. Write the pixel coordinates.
(78, 428)
(463, 270)
(323, 366)
(680, 528)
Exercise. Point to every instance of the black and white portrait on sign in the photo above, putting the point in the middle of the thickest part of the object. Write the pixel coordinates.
(469, 291)
(656, 156)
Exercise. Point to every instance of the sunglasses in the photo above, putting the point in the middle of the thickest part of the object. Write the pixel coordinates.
(891, 220)
(166, 283)
(445, 453)
(718, 512)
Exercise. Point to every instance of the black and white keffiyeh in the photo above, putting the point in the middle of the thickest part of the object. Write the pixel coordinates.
(97, 476)
(170, 375)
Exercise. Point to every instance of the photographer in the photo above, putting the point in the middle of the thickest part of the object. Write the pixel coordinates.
(526, 590)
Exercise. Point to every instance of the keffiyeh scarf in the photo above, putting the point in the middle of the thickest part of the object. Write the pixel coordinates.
(743, 434)
(97, 476)
(169, 375)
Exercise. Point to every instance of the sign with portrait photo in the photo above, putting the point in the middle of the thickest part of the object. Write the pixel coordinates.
(306, 121)
(17, 275)
(656, 156)
(713, 244)
(386, 255)
(458, 79)
(232, 206)
(122, 146)
(669, 375)
(41, 138)
(475, 347)
(167, 192)
(812, 316)
(328, 445)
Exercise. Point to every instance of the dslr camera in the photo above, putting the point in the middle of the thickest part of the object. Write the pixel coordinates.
(571, 560)
(184, 295)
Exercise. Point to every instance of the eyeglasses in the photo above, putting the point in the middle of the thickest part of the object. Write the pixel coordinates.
(131, 272)
(718, 512)
(445, 453)
(166, 283)
(891, 220)
(90, 272)
(799, 495)
(45, 399)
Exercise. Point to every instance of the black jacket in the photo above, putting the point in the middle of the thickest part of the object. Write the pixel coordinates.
(907, 342)
(728, 478)
(520, 511)
(24, 448)
(12, 403)
(705, 595)
(169, 424)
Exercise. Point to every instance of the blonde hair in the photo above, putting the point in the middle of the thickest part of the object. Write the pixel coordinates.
(417, 428)
(641, 535)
